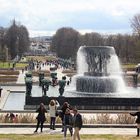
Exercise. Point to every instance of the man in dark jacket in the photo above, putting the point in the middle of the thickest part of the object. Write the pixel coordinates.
(137, 121)
(77, 123)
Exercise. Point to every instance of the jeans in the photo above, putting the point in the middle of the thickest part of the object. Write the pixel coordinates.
(65, 130)
(52, 123)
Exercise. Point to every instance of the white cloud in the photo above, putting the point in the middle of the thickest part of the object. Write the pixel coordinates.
(34, 33)
(52, 14)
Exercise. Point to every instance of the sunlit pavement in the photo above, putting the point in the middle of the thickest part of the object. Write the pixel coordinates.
(114, 131)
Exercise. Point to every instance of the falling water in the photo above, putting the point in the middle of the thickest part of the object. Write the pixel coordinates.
(98, 70)
(115, 70)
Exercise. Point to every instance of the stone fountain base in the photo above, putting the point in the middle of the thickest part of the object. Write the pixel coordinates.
(87, 103)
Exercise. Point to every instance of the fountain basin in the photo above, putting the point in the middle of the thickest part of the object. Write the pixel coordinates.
(96, 84)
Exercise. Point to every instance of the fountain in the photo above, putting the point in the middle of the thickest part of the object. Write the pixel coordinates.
(98, 70)
(98, 84)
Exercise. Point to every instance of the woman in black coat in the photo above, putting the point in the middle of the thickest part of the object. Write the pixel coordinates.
(41, 116)
(137, 121)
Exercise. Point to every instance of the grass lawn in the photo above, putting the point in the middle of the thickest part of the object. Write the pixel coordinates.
(60, 137)
(41, 58)
(7, 65)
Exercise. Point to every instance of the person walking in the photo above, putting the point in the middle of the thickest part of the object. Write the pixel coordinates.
(63, 110)
(137, 121)
(68, 122)
(77, 124)
(41, 117)
(52, 110)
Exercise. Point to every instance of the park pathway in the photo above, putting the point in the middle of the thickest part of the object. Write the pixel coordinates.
(113, 131)
(3, 98)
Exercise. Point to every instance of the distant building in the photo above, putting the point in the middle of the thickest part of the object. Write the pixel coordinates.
(40, 45)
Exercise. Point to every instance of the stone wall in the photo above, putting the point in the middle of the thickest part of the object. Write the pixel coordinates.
(87, 103)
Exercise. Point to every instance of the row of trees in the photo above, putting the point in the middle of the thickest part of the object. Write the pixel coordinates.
(16, 38)
(66, 42)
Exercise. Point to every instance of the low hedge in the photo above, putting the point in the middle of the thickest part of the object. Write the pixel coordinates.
(9, 72)
(8, 77)
(46, 73)
(68, 71)
(8, 80)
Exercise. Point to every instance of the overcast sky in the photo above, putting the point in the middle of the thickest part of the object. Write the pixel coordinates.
(44, 17)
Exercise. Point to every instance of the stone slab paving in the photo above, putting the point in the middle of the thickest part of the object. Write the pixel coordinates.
(3, 98)
(114, 131)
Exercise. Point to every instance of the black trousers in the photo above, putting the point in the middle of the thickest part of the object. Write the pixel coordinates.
(41, 125)
(52, 122)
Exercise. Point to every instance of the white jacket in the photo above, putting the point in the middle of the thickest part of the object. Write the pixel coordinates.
(52, 110)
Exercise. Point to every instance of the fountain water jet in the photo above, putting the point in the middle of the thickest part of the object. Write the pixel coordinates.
(98, 70)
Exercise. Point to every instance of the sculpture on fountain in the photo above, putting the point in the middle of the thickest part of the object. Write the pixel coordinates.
(28, 83)
(96, 75)
(41, 77)
(45, 86)
(62, 84)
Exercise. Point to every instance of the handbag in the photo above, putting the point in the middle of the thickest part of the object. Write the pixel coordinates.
(56, 113)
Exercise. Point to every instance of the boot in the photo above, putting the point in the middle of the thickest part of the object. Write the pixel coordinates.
(41, 129)
(53, 127)
(138, 130)
(71, 132)
(36, 130)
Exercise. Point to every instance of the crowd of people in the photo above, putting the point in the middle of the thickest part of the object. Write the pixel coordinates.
(70, 117)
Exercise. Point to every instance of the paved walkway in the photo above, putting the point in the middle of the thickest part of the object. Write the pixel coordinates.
(3, 98)
(114, 131)
(21, 77)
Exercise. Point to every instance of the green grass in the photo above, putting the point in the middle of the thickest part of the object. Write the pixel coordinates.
(41, 58)
(128, 66)
(60, 137)
(7, 65)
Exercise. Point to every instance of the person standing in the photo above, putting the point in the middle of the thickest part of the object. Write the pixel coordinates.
(63, 110)
(52, 110)
(77, 124)
(137, 121)
(68, 122)
(41, 116)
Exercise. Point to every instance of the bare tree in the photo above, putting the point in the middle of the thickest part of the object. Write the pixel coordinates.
(135, 24)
